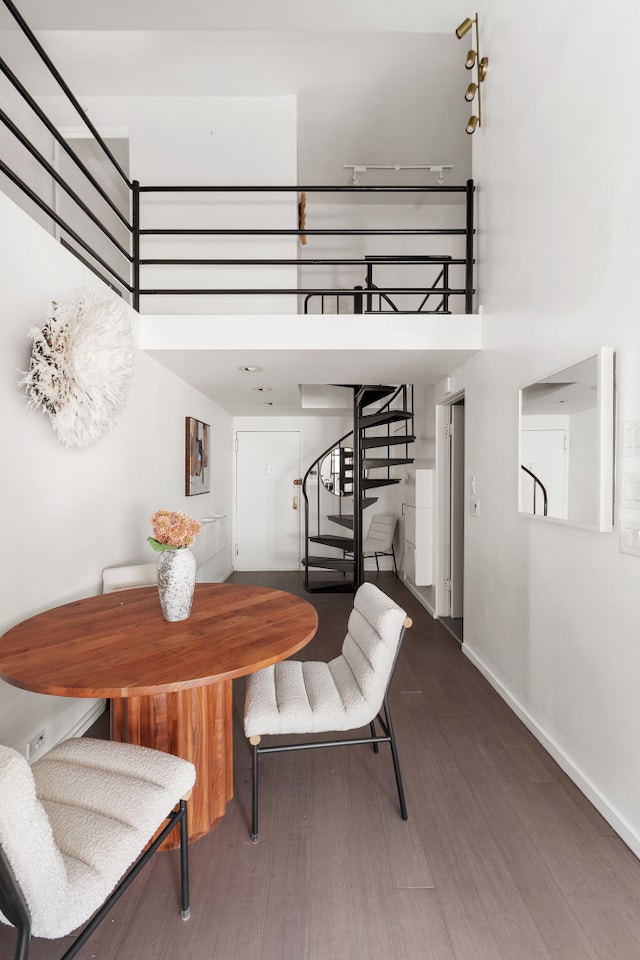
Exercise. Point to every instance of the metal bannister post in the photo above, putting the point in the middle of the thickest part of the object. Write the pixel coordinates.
(358, 564)
(369, 285)
(357, 301)
(135, 243)
(468, 300)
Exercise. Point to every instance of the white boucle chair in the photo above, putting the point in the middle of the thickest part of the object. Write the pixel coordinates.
(73, 823)
(349, 692)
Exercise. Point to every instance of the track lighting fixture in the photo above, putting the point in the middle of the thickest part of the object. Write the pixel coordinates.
(464, 27)
(359, 168)
(481, 65)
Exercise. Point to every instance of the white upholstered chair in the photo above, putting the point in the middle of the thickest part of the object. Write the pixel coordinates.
(128, 577)
(73, 823)
(349, 692)
(379, 539)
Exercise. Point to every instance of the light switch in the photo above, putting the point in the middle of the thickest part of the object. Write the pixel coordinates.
(474, 507)
(631, 491)
(630, 539)
(631, 438)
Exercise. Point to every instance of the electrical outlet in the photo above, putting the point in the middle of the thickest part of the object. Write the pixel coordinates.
(35, 745)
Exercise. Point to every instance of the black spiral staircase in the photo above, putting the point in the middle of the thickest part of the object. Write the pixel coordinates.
(352, 467)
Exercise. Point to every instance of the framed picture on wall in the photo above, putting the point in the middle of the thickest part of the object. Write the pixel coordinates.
(197, 467)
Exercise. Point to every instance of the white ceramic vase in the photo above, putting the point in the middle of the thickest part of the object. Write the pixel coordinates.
(176, 583)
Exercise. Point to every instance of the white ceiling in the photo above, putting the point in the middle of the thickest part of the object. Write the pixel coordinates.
(376, 82)
(418, 16)
(217, 374)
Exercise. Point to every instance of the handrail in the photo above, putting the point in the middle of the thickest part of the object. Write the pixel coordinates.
(41, 115)
(317, 462)
(37, 46)
(61, 223)
(44, 163)
(357, 504)
(537, 482)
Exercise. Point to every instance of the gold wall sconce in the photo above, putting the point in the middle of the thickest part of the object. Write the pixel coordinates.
(480, 65)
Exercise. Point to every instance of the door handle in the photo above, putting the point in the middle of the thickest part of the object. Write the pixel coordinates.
(294, 505)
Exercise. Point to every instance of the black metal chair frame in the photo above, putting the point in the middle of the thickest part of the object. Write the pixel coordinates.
(388, 736)
(15, 909)
(383, 553)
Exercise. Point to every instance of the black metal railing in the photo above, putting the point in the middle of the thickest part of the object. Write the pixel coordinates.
(124, 261)
(317, 494)
(537, 482)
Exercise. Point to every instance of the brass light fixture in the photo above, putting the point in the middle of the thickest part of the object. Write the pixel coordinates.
(473, 61)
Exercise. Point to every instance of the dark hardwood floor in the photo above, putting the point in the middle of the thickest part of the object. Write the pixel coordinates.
(502, 857)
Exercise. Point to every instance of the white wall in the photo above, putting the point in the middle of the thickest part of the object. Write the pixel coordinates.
(551, 612)
(69, 513)
(208, 141)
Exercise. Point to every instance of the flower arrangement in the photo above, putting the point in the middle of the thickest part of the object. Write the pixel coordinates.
(173, 530)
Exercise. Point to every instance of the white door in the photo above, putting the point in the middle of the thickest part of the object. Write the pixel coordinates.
(267, 501)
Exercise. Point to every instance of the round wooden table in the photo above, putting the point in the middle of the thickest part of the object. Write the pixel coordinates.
(169, 683)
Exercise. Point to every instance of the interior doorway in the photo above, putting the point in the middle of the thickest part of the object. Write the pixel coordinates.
(267, 506)
(450, 596)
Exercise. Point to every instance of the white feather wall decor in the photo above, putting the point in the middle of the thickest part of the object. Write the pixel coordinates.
(82, 365)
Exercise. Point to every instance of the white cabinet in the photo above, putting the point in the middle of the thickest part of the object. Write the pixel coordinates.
(418, 527)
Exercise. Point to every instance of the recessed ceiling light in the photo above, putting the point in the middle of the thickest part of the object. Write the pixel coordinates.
(249, 368)
(263, 389)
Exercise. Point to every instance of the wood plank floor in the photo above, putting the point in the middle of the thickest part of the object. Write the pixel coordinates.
(502, 857)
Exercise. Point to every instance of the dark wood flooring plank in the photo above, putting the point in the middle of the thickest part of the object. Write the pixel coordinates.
(494, 785)
(424, 932)
(460, 846)
(377, 927)
(235, 913)
(580, 864)
(408, 861)
(331, 917)
(286, 921)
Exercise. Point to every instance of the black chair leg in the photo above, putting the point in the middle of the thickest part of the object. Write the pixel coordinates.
(395, 565)
(372, 727)
(396, 762)
(254, 793)
(184, 862)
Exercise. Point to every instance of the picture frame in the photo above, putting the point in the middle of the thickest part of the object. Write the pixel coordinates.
(197, 464)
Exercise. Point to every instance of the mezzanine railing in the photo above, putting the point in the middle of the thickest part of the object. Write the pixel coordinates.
(109, 233)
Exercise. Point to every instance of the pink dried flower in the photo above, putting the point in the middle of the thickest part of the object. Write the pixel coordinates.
(173, 530)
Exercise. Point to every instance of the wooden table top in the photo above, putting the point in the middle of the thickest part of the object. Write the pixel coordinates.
(118, 644)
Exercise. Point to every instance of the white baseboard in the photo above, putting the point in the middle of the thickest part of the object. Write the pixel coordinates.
(90, 717)
(423, 600)
(619, 824)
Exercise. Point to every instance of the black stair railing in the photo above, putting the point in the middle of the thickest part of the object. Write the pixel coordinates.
(314, 471)
(537, 482)
(398, 407)
(109, 233)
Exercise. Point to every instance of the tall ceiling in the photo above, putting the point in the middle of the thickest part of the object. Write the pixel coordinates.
(376, 82)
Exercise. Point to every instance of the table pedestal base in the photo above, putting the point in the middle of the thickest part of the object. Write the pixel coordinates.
(195, 724)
